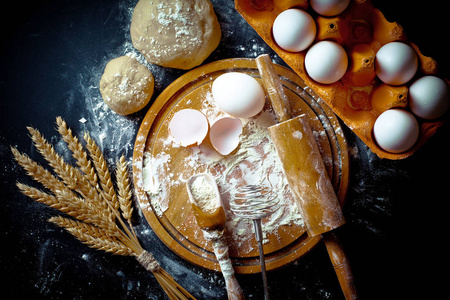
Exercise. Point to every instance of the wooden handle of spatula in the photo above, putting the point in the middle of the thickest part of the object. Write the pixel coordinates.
(234, 290)
(341, 265)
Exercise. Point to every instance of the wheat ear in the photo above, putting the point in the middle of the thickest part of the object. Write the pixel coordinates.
(124, 189)
(39, 173)
(102, 170)
(92, 236)
(85, 166)
(87, 194)
(71, 176)
(77, 151)
(72, 206)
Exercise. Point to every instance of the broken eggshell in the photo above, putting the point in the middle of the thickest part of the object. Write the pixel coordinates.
(224, 134)
(189, 127)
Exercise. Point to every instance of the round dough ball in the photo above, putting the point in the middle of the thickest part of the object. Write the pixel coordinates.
(126, 85)
(177, 34)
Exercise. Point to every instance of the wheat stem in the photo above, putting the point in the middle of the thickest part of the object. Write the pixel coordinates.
(171, 287)
(128, 237)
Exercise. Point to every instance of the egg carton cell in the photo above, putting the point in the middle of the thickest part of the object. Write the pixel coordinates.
(359, 97)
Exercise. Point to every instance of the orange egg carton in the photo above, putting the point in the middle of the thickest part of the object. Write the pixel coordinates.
(359, 97)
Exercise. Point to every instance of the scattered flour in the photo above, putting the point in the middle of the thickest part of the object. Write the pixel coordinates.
(254, 162)
(297, 135)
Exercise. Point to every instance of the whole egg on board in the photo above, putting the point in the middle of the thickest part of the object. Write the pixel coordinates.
(326, 62)
(294, 30)
(396, 130)
(429, 97)
(396, 63)
(238, 94)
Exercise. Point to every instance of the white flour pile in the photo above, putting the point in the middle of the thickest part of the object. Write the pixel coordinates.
(204, 194)
(254, 162)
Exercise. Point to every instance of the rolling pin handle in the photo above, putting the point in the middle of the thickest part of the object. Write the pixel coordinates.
(273, 87)
(341, 265)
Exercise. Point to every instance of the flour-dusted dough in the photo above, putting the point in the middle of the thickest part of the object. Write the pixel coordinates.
(177, 34)
(126, 85)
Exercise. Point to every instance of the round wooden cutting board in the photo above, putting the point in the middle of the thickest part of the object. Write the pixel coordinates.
(166, 205)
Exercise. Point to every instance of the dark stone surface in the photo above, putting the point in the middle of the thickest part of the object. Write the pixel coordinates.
(52, 56)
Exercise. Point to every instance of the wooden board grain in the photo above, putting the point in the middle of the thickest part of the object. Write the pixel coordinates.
(175, 225)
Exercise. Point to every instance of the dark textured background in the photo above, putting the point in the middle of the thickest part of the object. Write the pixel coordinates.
(52, 56)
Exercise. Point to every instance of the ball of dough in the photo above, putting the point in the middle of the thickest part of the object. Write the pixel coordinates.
(177, 34)
(126, 85)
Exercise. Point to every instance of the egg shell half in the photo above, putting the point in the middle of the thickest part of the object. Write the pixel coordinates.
(224, 134)
(189, 127)
(396, 130)
(238, 94)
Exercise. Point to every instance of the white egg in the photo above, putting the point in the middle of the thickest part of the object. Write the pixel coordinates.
(238, 94)
(294, 30)
(429, 97)
(189, 127)
(326, 62)
(224, 134)
(329, 8)
(396, 130)
(396, 63)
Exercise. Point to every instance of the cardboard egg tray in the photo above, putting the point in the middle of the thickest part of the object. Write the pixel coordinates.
(359, 97)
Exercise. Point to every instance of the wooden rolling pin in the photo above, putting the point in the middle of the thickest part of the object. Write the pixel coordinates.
(306, 174)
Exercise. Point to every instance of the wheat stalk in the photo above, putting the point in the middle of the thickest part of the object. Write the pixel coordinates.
(124, 189)
(102, 171)
(85, 166)
(93, 236)
(72, 177)
(77, 151)
(101, 217)
(39, 173)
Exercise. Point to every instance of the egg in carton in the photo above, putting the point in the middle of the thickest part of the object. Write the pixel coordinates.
(359, 96)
